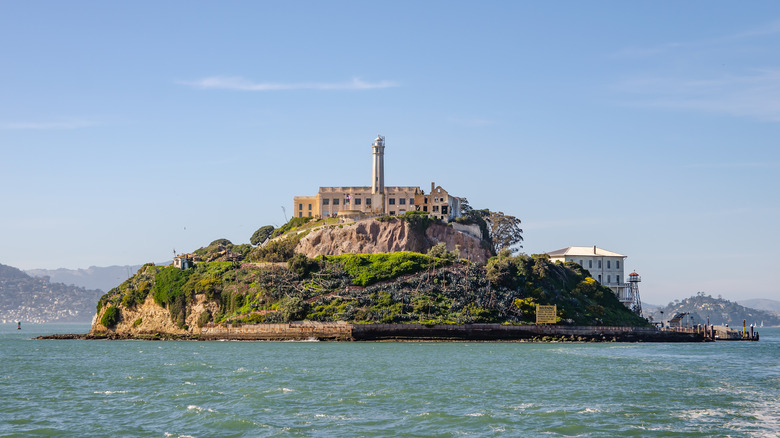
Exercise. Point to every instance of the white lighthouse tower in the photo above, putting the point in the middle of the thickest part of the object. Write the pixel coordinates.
(378, 176)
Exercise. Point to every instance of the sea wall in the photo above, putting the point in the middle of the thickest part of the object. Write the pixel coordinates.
(307, 330)
(299, 331)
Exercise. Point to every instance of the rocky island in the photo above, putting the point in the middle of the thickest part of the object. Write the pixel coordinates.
(407, 277)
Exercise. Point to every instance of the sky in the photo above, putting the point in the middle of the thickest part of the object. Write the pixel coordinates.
(129, 130)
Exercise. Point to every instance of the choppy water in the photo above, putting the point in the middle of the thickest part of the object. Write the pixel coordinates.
(225, 389)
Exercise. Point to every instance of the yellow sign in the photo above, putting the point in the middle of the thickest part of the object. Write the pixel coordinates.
(546, 314)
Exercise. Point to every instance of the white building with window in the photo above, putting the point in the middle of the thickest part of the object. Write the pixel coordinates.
(604, 266)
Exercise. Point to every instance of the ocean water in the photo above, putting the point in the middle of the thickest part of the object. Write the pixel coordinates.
(248, 389)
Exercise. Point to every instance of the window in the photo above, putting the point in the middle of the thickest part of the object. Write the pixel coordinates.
(617, 266)
(300, 214)
(608, 263)
(309, 209)
(411, 201)
(443, 209)
(599, 278)
(368, 201)
(391, 201)
(335, 201)
(426, 200)
(581, 264)
(357, 201)
(609, 279)
(617, 279)
(392, 213)
(402, 201)
(435, 208)
(309, 214)
(300, 206)
(599, 264)
(590, 264)
(326, 201)
(425, 208)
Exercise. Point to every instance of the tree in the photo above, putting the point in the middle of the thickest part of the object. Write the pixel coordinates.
(261, 235)
(504, 230)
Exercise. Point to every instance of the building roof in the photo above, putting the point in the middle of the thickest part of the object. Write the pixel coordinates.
(583, 251)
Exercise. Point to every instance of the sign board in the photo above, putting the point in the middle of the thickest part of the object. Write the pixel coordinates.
(546, 314)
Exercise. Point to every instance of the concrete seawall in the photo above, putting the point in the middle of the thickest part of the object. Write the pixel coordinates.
(341, 331)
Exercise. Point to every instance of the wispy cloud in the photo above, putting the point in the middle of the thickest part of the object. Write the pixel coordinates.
(757, 165)
(768, 29)
(755, 94)
(47, 126)
(241, 84)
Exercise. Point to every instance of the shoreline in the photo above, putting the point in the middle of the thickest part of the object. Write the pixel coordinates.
(345, 332)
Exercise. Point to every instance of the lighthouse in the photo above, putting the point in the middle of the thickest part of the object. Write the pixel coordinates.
(378, 176)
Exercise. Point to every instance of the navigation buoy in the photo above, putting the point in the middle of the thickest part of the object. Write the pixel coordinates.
(18, 325)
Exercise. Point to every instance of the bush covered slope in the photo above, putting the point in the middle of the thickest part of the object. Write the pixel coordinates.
(402, 287)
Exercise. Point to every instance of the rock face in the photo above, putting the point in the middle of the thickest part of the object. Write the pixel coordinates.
(371, 236)
(154, 319)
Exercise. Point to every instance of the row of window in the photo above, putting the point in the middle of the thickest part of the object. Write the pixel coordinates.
(609, 279)
(609, 265)
(358, 201)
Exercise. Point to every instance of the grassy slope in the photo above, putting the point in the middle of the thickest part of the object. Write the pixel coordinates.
(388, 288)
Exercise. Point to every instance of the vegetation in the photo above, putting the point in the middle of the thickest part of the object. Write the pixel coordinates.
(399, 288)
(500, 230)
(261, 235)
(366, 269)
(110, 317)
(293, 224)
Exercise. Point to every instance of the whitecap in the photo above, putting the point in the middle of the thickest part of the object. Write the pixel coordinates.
(476, 414)
(110, 392)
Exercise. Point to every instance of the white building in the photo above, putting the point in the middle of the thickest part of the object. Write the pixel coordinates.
(604, 266)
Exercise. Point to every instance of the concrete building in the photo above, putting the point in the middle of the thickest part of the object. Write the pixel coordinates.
(355, 202)
(604, 266)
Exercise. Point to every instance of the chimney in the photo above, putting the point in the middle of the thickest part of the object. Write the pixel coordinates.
(594, 249)
(433, 186)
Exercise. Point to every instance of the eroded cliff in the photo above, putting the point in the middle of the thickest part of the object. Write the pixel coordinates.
(372, 236)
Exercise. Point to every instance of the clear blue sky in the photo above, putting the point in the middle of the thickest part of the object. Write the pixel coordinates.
(651, 129)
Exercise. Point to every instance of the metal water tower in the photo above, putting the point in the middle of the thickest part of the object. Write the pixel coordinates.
(633, 292)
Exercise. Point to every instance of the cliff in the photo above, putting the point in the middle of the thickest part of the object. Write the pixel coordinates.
(372, 236)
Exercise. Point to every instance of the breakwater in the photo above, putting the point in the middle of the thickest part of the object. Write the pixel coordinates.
(341, 331)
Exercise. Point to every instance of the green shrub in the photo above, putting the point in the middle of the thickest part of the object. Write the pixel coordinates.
(291, 225)
(301, 265)
(168, 284)
(293, 308)
(261, 234)
(366, 269)
(110, 317)
(137, 322)
(204, 318)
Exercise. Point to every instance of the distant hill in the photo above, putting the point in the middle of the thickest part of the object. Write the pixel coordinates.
(718, 310)
(762, 304)
(36, 299)
(94, 277)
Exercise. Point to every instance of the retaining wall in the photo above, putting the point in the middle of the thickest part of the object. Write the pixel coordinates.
(443, 332)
